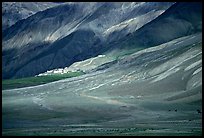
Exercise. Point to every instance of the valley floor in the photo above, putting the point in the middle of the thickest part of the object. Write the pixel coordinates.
(156, 91)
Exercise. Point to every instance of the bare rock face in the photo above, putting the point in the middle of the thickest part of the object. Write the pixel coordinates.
(70, 32)
(181, 19)
(15, 11)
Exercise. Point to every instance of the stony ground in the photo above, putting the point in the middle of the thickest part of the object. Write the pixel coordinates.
(156, 91)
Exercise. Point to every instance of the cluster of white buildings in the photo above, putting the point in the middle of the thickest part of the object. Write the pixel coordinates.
(77, 66)
(57, 71)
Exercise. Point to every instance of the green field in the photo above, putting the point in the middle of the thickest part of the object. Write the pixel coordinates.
(32, 81)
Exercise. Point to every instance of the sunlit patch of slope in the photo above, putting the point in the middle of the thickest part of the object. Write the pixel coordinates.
(94, 63)
(112, 21)
(88, 64)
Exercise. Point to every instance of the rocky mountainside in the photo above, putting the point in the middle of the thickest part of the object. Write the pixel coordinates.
(59, 36)
(15, 11)
(72, 32)
(179, 20)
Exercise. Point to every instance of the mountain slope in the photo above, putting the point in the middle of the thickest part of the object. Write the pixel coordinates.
(71, 32)
(15, 11)
(181, 19)
(55, 38)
